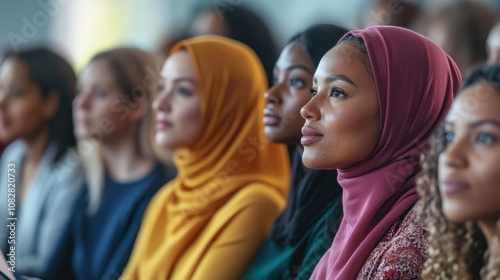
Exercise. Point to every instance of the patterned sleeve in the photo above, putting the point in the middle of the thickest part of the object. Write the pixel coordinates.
(402, 252)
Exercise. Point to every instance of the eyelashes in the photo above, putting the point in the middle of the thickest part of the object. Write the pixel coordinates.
(335, 92)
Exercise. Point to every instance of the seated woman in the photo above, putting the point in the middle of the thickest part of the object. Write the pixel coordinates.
(459, 184)
(112, 113)
(305, 229)
(210, 221)
(378, 96)
(41, 171)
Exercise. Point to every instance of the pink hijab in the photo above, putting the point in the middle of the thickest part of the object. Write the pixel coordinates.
(416, 82)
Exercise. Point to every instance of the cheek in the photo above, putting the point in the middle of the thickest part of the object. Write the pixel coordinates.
(353, 134)
(191, 120)
(292, 108)
(187, 122)
(26, 112)
(486, 170)
(355, 127)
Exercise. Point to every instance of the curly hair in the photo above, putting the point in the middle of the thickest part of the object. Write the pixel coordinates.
(456, 250)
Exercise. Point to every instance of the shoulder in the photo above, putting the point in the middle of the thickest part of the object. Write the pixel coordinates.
(257, 194)
(403, 250)
(253, 201)
(13, 152)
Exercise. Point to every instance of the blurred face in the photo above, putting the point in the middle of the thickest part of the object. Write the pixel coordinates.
(469, 167)
(208, 23)
(290, 91)
(437, 32)
(24, 112)
(100, 109)
(177, 107)
(493, 45)
(342, 119)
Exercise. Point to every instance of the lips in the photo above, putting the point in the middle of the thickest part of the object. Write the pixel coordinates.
(309, 136)
(451, 186)
(163, 125)
(271, 118)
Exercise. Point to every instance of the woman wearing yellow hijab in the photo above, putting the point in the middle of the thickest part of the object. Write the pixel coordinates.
(209, 222)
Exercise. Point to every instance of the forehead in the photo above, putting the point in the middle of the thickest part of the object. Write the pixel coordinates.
(97, 70)
(494, 36)
(14, 68)
(294, 53)
(343, 59)
(476, 102)
(179, 64)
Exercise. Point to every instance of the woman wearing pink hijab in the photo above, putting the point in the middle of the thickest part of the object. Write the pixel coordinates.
(379, 95)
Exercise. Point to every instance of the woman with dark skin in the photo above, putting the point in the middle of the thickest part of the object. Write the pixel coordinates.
(305, 229)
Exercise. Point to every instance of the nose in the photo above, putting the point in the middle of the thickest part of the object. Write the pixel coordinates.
(162, 102)
(3, 99)
(311, 111)
(81, 101)
(454, 155)
(272, 95)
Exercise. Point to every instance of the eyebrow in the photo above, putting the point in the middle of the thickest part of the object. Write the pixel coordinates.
(296, 66)
(178, 80)
(332, 78)
(478, 123)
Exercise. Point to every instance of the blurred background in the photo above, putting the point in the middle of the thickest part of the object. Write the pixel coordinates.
(80, 28)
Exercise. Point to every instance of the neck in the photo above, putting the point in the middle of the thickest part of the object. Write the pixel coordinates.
(35, 147)
(124, 160)
(489, 229)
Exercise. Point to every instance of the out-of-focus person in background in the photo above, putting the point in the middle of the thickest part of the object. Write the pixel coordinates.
(36, 91)
(461, 29)
(238, 23)
(493, 45)
(390, 12)
(459, 184)
(113, 123)
(305, 229)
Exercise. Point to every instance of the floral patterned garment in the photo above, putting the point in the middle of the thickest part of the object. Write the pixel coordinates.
(401, 253)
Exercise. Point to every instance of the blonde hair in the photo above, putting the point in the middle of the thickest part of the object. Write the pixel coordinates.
(456, 250)
(136, 73)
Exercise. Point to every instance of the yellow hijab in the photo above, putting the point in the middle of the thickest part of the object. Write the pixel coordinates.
(230, 154)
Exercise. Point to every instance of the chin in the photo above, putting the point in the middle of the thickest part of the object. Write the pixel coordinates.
(456, 215)
(312, 163)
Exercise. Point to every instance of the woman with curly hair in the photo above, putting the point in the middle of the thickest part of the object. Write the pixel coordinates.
(459, 184)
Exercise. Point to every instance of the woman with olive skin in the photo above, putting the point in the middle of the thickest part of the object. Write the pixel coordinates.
(379, 95)
(459, 184)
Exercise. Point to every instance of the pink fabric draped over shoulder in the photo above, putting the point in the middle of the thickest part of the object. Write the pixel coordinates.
(416, 82)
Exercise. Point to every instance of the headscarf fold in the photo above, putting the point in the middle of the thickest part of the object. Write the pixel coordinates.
(231, 154)
(416, 82)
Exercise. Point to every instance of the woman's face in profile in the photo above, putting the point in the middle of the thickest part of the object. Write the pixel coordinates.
(99, 109)
(342, 119)
(177, 107)
(469, 166)
(292, 82)
(23, 109)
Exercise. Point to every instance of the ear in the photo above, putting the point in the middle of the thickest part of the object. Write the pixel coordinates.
(50, 105)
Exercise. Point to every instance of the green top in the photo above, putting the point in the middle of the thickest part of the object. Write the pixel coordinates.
(293, 261)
